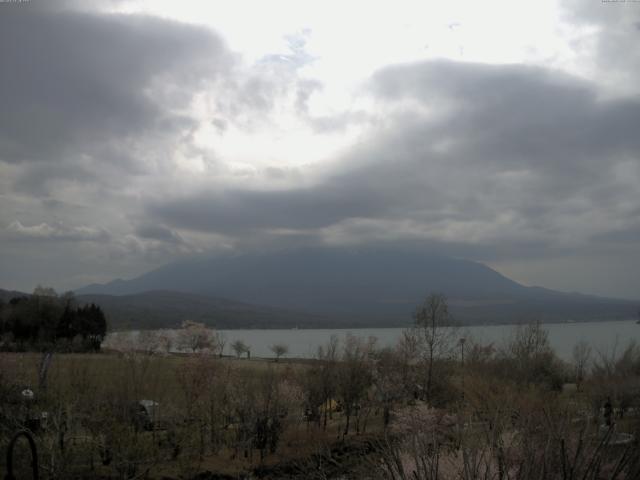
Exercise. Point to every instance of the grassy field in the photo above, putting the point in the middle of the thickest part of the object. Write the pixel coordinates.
(202, 401)
(357, 411)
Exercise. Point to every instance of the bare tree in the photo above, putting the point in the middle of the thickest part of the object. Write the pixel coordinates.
(409, 353)
(166, 341)
(195, 336)
(279, 349)
(388, 379)
(527, 358)
(220, 342)
(434, 326)
(581, 357)
(239, 347)
(149, 341)
(327, 374)
(354, 377)
(529, 342)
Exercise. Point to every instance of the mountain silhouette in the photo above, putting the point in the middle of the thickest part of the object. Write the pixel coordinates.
(376, 286)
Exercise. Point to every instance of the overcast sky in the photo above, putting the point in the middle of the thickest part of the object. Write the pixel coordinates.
(134, 133)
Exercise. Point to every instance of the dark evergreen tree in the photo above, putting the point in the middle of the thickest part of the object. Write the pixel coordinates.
(41, 320)
(67, 324)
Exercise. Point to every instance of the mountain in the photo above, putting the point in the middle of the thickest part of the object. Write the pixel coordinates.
(6, 295)
(373, 286)
(167, 309)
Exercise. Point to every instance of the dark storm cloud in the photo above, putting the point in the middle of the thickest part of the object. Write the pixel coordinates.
(75, 83)
(628, 235)
(41, 177)
(529, 141)
(236, 211)
(513, 157)
(158, 232)
(90, 104)
(520, 113)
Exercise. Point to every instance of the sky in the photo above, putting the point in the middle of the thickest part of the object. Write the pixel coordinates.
(137, 133)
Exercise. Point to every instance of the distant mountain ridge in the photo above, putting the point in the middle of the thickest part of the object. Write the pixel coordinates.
(372, 286)
(167, 309)
(6, 295)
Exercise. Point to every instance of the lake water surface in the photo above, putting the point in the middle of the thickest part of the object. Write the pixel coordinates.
(605, 337)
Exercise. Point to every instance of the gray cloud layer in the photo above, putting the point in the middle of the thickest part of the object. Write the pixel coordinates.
(492, 162)
(83, 91)
(534, 144)
(91, 102)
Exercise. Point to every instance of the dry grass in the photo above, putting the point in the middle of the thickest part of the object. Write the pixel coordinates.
(84, 385)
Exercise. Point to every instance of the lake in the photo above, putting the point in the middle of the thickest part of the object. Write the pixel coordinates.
(603, 337)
